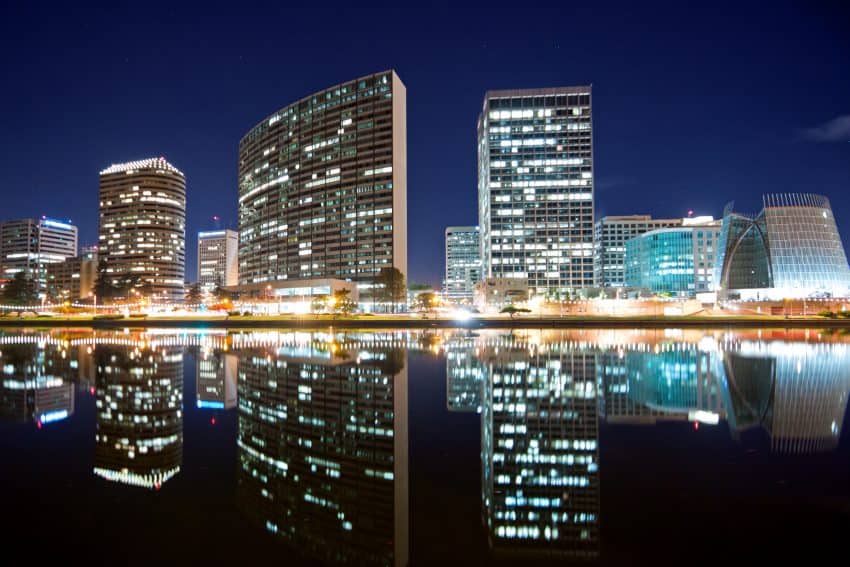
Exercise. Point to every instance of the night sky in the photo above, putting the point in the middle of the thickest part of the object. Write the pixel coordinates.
(692, 106)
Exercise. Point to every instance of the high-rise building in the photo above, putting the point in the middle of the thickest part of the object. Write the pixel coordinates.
(31, 245)
(535, 187)
(678, 260)
(142, 238)
(463, 262)
(74, 278)
(791, 249)
(323, 186)
(217, 258)
(609, 245)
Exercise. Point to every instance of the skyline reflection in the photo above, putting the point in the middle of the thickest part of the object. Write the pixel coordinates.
(322, 435)
(321, 418)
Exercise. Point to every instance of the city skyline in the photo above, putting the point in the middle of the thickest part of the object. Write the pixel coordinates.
(660, 143)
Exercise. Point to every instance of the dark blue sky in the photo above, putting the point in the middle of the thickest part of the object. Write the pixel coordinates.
(693, 105)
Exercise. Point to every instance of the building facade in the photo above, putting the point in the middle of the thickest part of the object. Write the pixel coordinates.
(609, 245)
(493, 293)
(142, 237)
(323, 186)
(535, 187)
(463, 263)
(31, 245)
(677, 261)
(218, 264)
(791, 249)
(74, 278)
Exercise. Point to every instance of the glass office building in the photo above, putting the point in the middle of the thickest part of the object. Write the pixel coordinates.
(535, 187)
(33, 245)
(677, 261)
(323, 186)
(217, 263)
(791, 249)
(463, 263)
(609, 245)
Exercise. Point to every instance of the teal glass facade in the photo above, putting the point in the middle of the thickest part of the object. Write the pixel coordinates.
(677, 261)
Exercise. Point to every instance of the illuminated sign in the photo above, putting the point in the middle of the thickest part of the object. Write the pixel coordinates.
(57, 224)
(52, 416)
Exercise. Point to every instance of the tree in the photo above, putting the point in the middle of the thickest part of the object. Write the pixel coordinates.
(513, 310)
(342, 302)
(20, 291)
(425, 301)
(194, 295)
(319, 303)
(389, 286)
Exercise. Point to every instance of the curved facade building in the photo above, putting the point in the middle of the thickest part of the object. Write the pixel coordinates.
(323, 186)
(678, 260)
(791, 249)
(142, 237)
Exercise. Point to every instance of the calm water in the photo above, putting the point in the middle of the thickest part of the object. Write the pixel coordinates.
(409, 447)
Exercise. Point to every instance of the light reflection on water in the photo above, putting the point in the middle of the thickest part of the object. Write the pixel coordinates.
(323, 417)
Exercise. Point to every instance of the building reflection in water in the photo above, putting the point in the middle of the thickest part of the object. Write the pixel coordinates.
(139, 414)
(540, 450)
(38, 379)
(322, 437)
(541, 395)
(322, 418)
(465, 375)
(215, 381)
(797, 392)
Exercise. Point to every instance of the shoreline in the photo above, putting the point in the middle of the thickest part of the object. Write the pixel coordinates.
(408, 323)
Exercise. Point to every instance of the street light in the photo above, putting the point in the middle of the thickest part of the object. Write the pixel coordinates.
(94, 295)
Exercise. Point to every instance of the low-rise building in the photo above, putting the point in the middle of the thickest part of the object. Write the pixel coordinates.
(609, 245)
(493, 293)
(676, 261)
(291, 296)
(74, 278)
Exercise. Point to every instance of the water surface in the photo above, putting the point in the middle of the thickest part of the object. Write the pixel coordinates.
(610, 447)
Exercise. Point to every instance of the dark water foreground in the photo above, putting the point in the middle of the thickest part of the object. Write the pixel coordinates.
(423, 447)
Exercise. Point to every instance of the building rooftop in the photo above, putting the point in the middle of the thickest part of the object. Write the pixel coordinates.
(149, 163)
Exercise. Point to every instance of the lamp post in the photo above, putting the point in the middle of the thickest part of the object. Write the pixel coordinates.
(94, 296)
(268, 299)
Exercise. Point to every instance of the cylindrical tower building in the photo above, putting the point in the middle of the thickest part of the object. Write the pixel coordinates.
(142, 233)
